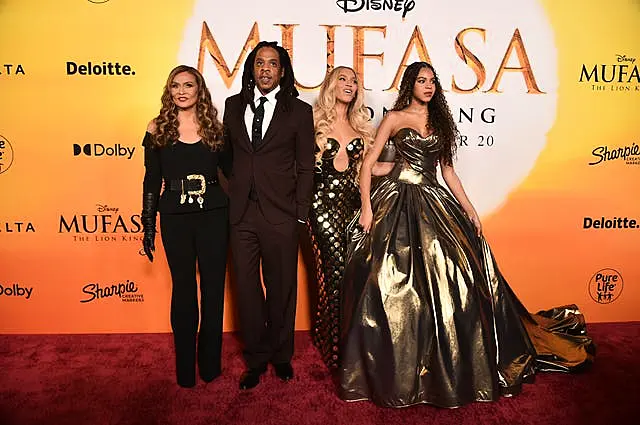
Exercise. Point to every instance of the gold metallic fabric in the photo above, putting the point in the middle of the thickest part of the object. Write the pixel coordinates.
(427, 317)
(336, 200)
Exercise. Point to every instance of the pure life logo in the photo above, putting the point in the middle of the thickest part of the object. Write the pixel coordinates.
(404, 6)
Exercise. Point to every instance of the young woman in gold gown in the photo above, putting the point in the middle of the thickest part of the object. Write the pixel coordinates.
(427, 317)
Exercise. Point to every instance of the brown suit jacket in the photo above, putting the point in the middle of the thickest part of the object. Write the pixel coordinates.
(280, 167)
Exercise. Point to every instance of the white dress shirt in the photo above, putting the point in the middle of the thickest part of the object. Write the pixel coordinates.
(269, 107)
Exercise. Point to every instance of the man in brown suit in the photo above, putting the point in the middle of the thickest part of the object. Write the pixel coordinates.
(272, 137)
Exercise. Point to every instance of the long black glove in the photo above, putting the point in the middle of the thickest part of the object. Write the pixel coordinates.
(149, 210)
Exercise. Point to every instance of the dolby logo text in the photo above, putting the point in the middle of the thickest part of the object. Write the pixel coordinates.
(16, 290)
(100, 150)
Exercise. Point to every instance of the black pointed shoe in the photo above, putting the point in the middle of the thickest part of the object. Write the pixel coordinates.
(284, 371)
(251, 377)
(209, 376)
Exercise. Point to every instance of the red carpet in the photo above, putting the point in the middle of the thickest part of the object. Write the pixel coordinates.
(128, 379)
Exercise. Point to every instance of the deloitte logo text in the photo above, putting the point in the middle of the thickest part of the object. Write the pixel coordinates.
(106, 68)
(99, 150)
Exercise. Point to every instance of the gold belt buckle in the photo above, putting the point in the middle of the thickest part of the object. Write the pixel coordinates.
(203, 184)
(197, 193)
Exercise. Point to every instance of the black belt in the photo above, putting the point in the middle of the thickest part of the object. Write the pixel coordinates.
(193, 183)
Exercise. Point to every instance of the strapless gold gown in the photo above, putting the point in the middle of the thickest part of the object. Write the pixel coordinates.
(427, 317)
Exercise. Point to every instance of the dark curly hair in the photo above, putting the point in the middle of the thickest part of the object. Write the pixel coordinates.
(287, 91)
(167, 120)
(439, 116)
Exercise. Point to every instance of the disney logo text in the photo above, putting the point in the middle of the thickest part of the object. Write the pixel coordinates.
(624, 58)
(106, 208)
(404, 6)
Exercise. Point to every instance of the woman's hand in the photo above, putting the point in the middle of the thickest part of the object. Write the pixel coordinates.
(476, 222)
(366, 218)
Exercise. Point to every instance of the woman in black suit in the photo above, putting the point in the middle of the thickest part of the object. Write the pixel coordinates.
(184, 148)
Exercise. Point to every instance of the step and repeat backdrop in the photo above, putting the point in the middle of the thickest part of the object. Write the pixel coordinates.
(546, 95)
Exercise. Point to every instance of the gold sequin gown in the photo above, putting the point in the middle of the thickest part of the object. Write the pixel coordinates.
(336, 200)
(427, 317)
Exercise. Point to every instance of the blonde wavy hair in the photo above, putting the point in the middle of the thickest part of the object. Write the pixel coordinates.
(324, 115)
(166, 122)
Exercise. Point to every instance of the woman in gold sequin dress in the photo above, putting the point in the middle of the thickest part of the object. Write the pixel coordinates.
(427, 315)
(342, 132)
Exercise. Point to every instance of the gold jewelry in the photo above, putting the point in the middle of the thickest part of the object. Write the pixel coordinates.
(199, 192)
(183, 197)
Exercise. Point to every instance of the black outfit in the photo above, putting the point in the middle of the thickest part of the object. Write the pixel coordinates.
(194, 226)
(336, 199)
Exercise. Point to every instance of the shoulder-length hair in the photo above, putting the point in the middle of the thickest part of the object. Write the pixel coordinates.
(166, 123)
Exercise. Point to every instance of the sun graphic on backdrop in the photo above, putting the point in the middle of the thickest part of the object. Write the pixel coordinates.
(498, 68)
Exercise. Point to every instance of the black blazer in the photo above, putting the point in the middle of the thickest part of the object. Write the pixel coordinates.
(280, 168)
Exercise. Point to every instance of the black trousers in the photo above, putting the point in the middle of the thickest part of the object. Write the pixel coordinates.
(200, 237)
(266, 323)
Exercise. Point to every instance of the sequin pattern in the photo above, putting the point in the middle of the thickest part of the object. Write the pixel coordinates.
(336, 199)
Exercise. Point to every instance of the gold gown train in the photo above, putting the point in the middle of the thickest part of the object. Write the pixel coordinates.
(427, 317)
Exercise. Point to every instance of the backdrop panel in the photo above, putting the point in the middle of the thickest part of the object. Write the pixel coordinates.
(546, 95)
